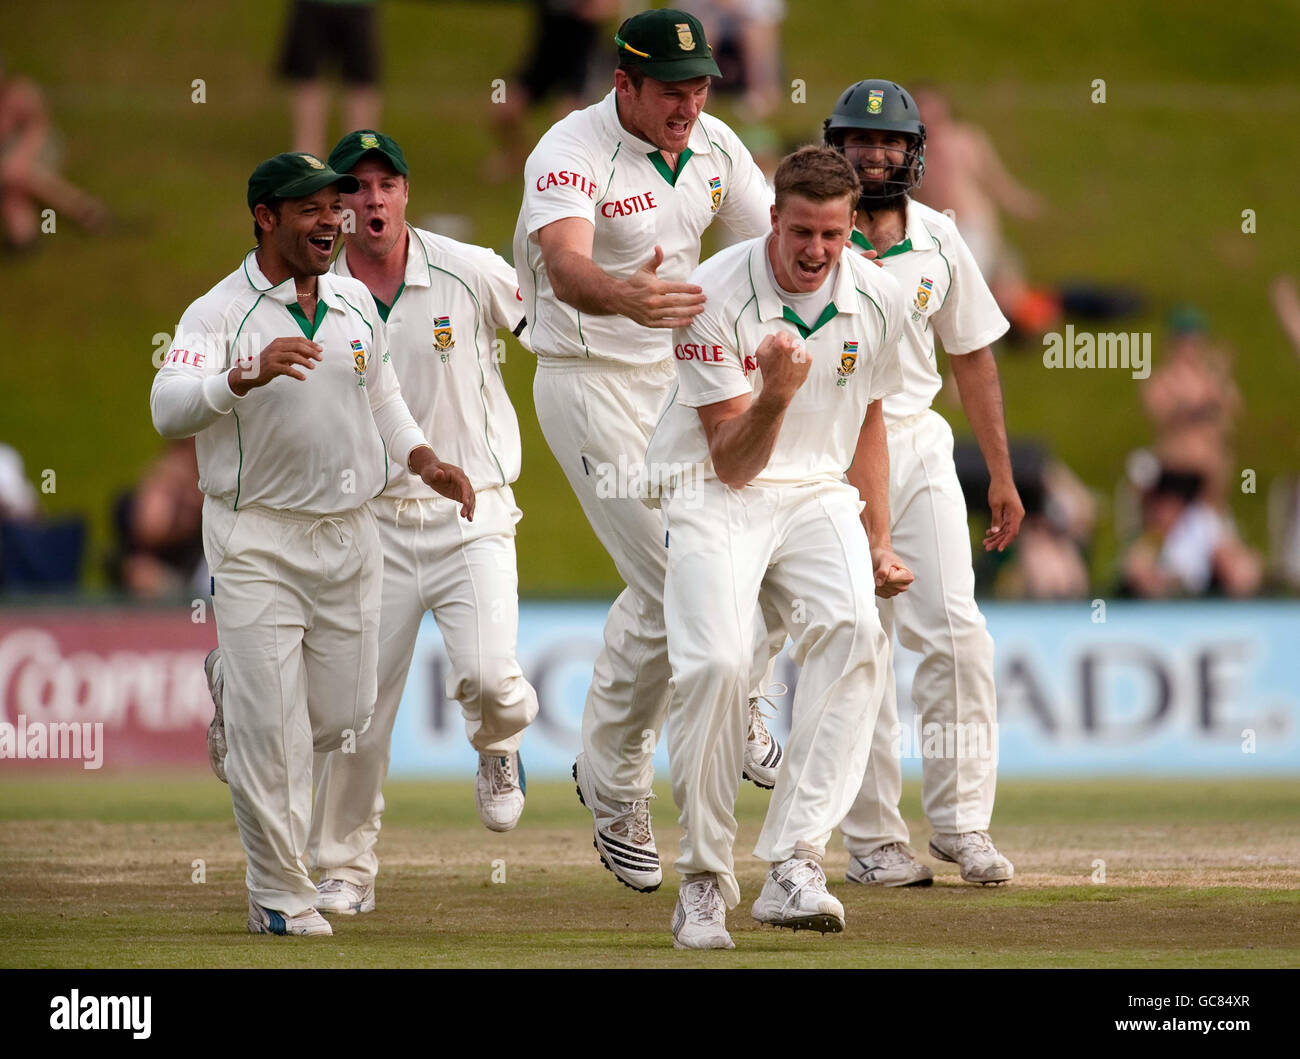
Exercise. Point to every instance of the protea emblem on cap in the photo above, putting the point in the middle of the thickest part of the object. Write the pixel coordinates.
(369, 142)
(875, 100)
(312, 161)
(684, 36)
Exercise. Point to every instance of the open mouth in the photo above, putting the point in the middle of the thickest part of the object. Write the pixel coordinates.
(872, 172)
(376, 225)
(323, 244)
(807, 270)
(678, 128)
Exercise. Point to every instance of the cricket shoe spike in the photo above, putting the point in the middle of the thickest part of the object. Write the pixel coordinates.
(700, 918)
(499, 787)
(338, 897)
(893, 864)
(269, 921)
(974, 853)
(763, 753)
(621, 834)
(215, 672)
(794, 895)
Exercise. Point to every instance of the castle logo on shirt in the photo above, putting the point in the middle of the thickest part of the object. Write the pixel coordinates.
(715, 190)
(923, 292)
(442, 337)
(848, 363)
(359, 361)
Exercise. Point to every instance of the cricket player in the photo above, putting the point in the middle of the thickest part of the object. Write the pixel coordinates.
(616, 198)
(442, 302)
(778, 406)
(875, 124)
(281, 373)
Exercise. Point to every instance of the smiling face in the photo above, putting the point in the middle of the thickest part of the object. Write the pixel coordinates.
(807, 239)
(876, 154)
(661, 112)
(302, 234)
(380, 208)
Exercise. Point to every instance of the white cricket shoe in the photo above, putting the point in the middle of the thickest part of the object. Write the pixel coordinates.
(621, 834)
(499, 787)
(700, 918)
(269, 921)
(763, 753)
(893, 864)
(213, 670)
(974, 853)
(794, 895)
(343, 898)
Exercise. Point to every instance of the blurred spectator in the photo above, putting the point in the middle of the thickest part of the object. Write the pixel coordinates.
(160, 529)
(17, 494)
(1192, 403)
(566, 36)
(1286, 303)
(964, 174)
(1186, 547)
(746, 36)
(1284, 530)
(343, 33)
(1047, 559)
(29, 158)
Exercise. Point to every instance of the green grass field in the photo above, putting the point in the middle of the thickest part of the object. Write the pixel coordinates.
(96, 872)
(1147, 188)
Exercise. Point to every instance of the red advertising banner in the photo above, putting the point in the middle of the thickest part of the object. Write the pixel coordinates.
(92, 689)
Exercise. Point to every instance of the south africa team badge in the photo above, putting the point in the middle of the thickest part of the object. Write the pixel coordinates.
(875, 100)
(442, 337)
(715, 190)
(848, 363)
(923, 292)
(359, 361)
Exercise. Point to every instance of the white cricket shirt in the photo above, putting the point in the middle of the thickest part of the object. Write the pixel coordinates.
(442, 330)
(319, 445)
(946, 295)
(589, 166)
(854, 351)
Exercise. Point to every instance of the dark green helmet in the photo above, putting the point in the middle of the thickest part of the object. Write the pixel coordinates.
(888, 107)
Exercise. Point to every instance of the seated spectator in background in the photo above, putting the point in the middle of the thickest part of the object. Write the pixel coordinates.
(1186, 547)
(29, 179)
(17, 494)
(1047, 560)
(160, 529)
(746, 36)
(343, 33)
(964, 174)
(565, 38)
(1192, 404)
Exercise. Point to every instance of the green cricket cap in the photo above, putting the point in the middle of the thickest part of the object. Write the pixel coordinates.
(294, 175)
(667, 45)
(356, 145)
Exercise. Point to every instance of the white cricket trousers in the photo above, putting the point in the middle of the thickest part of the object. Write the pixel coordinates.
(465, 573)
(936, 617)
(296, 600)
(805, 547)
(597, 418)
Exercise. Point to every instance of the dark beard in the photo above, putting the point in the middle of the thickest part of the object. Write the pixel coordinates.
(869, 204)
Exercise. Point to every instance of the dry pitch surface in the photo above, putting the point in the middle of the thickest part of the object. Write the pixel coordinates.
(97, 872)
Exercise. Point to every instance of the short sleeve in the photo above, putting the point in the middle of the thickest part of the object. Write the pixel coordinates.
(886, 369)
(503, 305)
(559, 182)
(746, 208)
(969, 318)
(709, 366)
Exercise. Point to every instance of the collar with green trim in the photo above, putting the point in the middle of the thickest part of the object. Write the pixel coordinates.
(417, 261)
(770, 305)
(286, 292)
(915, 235)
